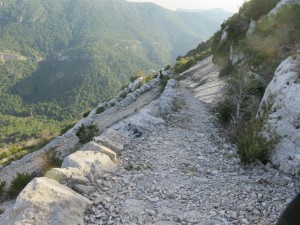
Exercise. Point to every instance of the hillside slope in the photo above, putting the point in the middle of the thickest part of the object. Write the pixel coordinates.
(164, 164)
(258, 51)
(60, 58)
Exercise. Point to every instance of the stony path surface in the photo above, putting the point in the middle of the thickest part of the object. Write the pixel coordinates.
(184, 173)
(64, 145)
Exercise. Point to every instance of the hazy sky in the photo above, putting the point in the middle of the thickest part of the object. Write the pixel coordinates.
(229, 5)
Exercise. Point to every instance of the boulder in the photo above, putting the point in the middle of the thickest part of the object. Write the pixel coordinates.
(45, 201)
(92, 164)
(283, 92)
(68, 176)
(84, 189)
(109, 143)
(138, 124)
(134, 207)
(93, 146)
(132, 86)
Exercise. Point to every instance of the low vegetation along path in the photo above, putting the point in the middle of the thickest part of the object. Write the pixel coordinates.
(184, 173)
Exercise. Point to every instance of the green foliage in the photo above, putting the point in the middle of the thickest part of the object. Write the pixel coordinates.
(273, 39)
(163, 82)
(224, 110)
(85, 133)
(18, 184)
(84, 115)
(67, 127)
(100, 109)
(128, 167)
(254, 9)
(252, 144)
(227, 69)
(185, 62)
(137, 74)
(2, 189)
(168, 67)
(51, 160)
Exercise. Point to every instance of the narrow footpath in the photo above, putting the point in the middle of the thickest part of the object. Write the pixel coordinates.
(185, 173)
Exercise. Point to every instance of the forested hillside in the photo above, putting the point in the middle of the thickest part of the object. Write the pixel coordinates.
(60, 58)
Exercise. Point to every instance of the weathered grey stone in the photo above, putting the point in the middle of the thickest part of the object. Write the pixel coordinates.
(109, 143)
(137, 125)
(132, 86)
(91, 164)
(134, 206)
(93, 146)
(283, 3)
(283, 92)
(252, 27)
(117, 136)
(64, 175)
(192, 216)
(166, 223)
(84, 189)
(45, 201)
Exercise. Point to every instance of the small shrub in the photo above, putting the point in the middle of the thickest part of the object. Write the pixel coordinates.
(66, 128)
(252, 144)
(7, 160)
(20, 154)
(4, 155)
(15, 149)
(138, 168)
(128, 167)
(167, 67)
(164, 82)
(224, 111)
(86, 133)
(226, 69)
(51, 160)
(84, 115)
(136, 75)
(124, 95)
(123, 86)
(2, 189)
(18, 184)
(100, 109)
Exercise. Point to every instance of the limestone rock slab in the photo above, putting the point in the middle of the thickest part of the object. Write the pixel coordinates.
(92, 164)
(93, 146)
(45, 201)
(283, 92)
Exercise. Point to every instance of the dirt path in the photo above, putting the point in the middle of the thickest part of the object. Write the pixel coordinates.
(184, 173)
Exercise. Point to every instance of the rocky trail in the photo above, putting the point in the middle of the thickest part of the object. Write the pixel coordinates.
(161, 160)
(184, 173)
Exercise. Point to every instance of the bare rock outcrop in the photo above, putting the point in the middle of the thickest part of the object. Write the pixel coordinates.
(283, 93)
(45, 201)
(283, 3)
(92, 164)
